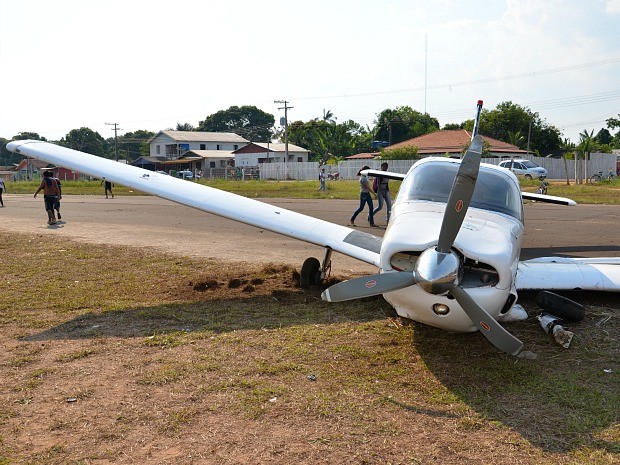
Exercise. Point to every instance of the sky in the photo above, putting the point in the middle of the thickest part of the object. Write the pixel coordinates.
(67, 64)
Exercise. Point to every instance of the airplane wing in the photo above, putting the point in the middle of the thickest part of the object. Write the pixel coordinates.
(384, 174)
(348, 241)
(547, 198)
(569, 274)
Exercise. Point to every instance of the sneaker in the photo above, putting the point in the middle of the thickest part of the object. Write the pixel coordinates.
(374, 225)
(352, 223)
(59, 217)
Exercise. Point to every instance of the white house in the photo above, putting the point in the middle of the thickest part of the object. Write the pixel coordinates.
(173, 144)
(257, 153)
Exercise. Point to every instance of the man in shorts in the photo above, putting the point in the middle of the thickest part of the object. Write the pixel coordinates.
(50, 194)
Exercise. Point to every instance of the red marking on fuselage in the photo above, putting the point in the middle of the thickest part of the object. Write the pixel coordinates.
(485, 326)
(459, 206)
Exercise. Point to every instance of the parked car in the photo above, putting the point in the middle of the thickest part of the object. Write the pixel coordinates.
(185, 174)
(161, 172)
(525, 168)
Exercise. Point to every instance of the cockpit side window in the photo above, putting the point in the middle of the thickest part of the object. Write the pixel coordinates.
(432, 182)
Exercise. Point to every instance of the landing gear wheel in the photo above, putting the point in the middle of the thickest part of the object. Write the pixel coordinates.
(560, 306)
(310, 273)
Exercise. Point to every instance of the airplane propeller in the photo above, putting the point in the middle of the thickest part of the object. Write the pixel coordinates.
(438, 269)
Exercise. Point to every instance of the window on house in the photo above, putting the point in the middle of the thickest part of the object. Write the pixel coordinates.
(158, 149)
(236, 146)
(218, 147)
(203, 146)
(300, 159)
(211, 164)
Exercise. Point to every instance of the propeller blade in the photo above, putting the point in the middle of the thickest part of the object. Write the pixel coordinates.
(460, 195)
(367, 286)
(488, 326)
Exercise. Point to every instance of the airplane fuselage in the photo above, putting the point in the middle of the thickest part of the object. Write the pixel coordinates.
(488, 243)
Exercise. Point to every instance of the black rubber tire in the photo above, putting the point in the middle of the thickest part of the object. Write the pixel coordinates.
(310, 273)
(560, 306)
(528, 177)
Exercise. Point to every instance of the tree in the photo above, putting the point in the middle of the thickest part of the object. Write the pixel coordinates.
(185, 127)
(247, 121)
(586, 145)
(327, 140)
(509, 117)
(516, 138)
(133, 144)
(9, 158)
(86, 140)
(402, 153)
(403, 123)
(614, 123)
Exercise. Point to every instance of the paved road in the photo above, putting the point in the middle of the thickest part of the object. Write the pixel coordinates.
(584, 230)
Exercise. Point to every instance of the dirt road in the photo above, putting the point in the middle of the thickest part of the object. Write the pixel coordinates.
(584, 230)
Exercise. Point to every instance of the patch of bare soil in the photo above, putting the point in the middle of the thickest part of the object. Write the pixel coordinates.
(131, 357)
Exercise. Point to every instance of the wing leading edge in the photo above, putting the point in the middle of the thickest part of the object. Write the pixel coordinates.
(356, 244)
(560, 273)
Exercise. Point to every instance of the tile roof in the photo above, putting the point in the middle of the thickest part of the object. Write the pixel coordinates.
(359, 156)
(452, 141)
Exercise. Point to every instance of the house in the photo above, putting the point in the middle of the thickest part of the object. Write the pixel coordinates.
(452, 143)
(173, 144)
(256, 153)
(364, 156)
(200, 161)
(148, 163)
(29, 169)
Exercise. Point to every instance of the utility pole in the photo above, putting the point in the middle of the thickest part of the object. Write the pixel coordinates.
(116, 129)
(285, 108)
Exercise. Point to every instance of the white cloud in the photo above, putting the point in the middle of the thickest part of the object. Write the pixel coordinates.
(612, 6)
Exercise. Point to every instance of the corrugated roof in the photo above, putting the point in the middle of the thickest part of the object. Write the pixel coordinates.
(195, 136)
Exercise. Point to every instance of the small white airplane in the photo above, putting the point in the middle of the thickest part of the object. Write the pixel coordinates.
(449, 257)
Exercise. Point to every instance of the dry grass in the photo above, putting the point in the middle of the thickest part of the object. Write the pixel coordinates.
(121, 355)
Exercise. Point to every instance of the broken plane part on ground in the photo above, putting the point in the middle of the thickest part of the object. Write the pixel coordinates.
(449, 257)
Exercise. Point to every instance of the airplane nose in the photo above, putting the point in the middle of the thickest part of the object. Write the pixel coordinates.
(437, 272)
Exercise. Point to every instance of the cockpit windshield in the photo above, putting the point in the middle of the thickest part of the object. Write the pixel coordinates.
(432, 182)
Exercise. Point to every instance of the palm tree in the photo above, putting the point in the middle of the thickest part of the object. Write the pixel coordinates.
(516, 138)
(328, 116)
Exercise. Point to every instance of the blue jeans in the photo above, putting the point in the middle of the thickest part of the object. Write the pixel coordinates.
(365, 198)
(381, 195)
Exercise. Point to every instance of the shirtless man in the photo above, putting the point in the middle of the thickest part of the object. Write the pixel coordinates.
(50, 194)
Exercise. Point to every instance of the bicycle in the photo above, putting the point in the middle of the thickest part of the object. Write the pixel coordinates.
(542, 189)
(598, 177)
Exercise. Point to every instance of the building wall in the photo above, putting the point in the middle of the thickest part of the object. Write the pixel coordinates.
(163, 140)
(256, 159)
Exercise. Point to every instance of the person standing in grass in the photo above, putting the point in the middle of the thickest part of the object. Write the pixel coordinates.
(50, 194)
(322, 180)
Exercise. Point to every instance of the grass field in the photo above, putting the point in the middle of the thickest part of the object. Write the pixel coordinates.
(607, 192)
(123, 355)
